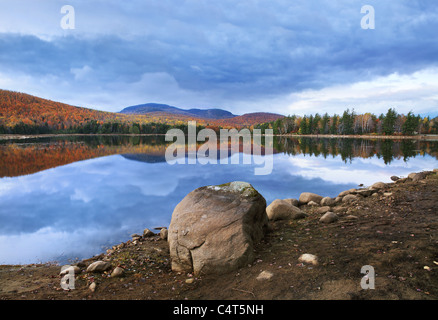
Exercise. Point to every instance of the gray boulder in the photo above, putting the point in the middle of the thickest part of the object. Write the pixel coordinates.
(213, 229)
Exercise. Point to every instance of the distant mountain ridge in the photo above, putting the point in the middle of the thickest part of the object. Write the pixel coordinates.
(24, 113)
(198, 113)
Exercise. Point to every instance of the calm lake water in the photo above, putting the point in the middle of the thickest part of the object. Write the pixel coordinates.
(71, 198)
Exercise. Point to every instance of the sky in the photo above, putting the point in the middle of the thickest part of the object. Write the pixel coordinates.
(283, 56)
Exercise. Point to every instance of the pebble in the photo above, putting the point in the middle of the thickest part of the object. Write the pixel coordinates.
(99, 266)
(163, 233)
(117, 272)
(329, 217)
(265, 275)
(92, 287)
(148, 233)
(308, 258)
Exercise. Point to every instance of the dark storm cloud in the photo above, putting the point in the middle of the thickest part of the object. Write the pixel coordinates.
(238, 50)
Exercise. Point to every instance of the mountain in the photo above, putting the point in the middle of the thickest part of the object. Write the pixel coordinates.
(197, 113)
(24, 113)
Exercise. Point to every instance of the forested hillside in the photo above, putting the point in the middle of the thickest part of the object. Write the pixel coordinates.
(21, 113)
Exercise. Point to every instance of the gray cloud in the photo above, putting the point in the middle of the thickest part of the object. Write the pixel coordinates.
(218, 53)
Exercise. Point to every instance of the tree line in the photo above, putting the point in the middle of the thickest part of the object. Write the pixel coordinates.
(97, 127)
(350, 123)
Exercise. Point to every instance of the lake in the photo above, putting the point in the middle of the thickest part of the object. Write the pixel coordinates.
(68, 198)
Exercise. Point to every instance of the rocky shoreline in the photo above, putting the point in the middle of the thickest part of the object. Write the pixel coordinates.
(395, 224)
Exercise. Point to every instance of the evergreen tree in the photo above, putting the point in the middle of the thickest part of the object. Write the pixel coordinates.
(410, 125)
(389, 121)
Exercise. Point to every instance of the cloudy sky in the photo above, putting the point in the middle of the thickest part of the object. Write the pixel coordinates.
(279, 56)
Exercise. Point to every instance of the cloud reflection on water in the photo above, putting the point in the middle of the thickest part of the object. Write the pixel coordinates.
(77, 209)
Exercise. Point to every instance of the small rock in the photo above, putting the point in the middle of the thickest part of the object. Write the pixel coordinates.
(365, 192)
(68, 269)
(308, 258)
(339, 209)
(306, 197)
(312, 204)
(327, 201)
(412, 175)
(117, 272)
(163, 233)
(351, 217)
(387, 194)
(394, 178)
(293, 202)
(283, 210)
(349, 198)
(322, 210)
(99, 266)
(419, 176)
(135, 236)
(190, 280)
(80, 264)
(92, 287)
(344, 193)
(378, 185)
(329, 217)
(265, 275)
(148, 233)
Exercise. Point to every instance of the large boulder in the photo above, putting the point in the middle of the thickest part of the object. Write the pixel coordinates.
(213, 229)
(306, 197)
(283, 210)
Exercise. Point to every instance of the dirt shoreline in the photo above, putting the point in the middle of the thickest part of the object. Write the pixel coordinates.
(395, 231)
(394, 137)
